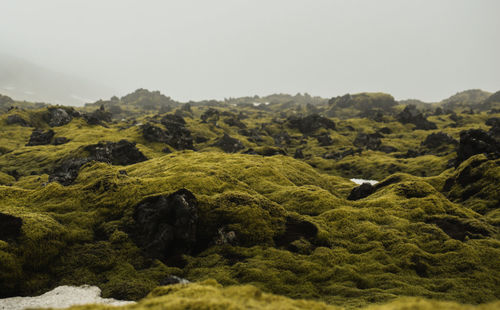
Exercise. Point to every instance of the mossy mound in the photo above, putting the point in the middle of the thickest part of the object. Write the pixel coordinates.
(209, 295)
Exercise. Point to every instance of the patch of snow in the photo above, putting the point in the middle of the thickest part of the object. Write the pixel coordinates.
(361, 181)
(61, 297)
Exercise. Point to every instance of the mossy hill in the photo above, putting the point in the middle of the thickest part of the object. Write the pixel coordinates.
(250, 200)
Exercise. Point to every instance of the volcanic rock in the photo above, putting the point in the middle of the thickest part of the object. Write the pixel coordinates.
(229, 144)
(165, 226)
(310, 123)
(39, 137)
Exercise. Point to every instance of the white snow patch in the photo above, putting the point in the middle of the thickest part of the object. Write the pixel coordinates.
(361, 181)
(61, 297)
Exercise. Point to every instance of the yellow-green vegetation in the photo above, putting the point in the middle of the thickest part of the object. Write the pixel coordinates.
(209, 295)
(271, 231)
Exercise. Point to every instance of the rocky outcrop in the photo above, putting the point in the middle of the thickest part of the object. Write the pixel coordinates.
(178, 135)
(410, 115)
(310, 123)
(11, 227)
(476, 141)
(98, 117)
(56, 117)
(438, 140)
(16, 119)
(165, 225)
(369, 141)
(229, 144)
(154, 133)
(119, 153)
(40, 137)
(324, 139)
(362, 191)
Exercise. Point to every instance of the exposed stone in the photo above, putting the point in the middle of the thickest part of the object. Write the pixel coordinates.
(324, 140)
(476, 141)
(60, 140)
(459, 229)
(298, 154)
(410, 115)
(362, 191)
(98, 117)
(170, 280)
(39, 137)
(120, 153)
(438, 140)
(56, 117)
(229, 144)
(16, 119)
(370, 141)
(10, 227)
(153, 133)
(165, 226)
(310, 123)
(178, 136)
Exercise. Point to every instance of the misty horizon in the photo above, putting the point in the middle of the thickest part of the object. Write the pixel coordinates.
(193, 50)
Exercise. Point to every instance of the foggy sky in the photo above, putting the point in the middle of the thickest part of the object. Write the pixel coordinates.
(192, 50)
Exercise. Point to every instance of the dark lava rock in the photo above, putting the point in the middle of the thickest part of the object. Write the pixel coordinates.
(120, 153)
(56, 117)
(387, 149)
(252, 135)
(39, 137)
(324, 140)
(459, 229)
(370, 141)
(476, 141)
(362, 191)
(439, 139)
(178, 136)
(271, 151)
(234, 121)
(98, 117)
(210, 114)
(495, 126)
(282, 138)
(10, 227)
(229, 144)
(295, 230)
(410, 115)
(165, 226)
(16, 119)
(385, 130)
(66, 172)
(60, 140)
(310, 123)
(170, 280)
(153, 133)
(298, 154)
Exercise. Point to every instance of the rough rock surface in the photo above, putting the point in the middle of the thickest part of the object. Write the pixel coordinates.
(369, 141)
(362, 191)
(10, 226)
(16, 119)
(165, 226)
(410, 115)
(39, 137)
(310, 123)
(119, 153)
(476, 141)
(98, 117)
(229, 144)
(438, 139)
(56, 117)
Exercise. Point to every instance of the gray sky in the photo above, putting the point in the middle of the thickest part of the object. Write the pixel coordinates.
(227, 48)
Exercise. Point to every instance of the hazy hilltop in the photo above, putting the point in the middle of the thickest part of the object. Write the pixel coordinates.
(23, 80)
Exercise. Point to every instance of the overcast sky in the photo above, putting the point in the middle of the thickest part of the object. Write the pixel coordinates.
(227, 48)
